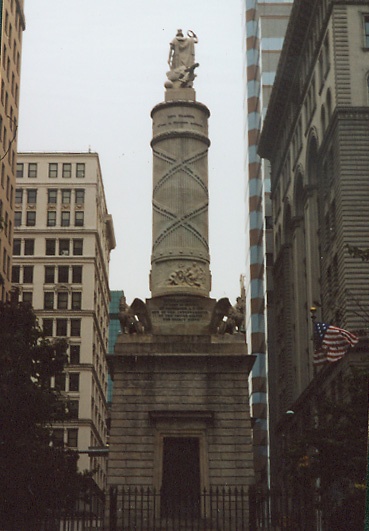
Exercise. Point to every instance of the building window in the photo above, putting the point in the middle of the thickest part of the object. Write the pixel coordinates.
(48, 300)
(49, 274)
(79, 219)
(31, 219)
(77, 274)
(73, 409)
(28, 274)
(16, 274)
(29, 246)
(60, 380)
(80, 169)
(58, 437)
(75, 327)
(67, 170)
(80, 196)
(27, 297)
(64, 247)
(52, 196)
(65, 219)
(17, 218)
(16, 247)
(51, 218)
(32, 170)
(66, 195)
(20, 169)
(77, 247)
(74, 354)
(72, 440)
(74, 381)
(50, 247)
(18, 196)
(63, 274)
(32, 196)
(76, 300)
(61, 327)
(53, 170)
(47, 325)
(366, 30)
(62, 300)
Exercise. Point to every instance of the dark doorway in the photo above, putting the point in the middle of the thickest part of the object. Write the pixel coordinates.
(181, 477)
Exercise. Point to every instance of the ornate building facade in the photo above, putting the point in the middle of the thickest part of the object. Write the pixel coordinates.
(63, 238)
(12, 25)
(315, 135)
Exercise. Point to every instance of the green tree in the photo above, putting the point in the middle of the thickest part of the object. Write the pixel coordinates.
(35, 477)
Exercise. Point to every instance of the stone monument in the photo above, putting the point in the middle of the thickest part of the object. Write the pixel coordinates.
(180, 421)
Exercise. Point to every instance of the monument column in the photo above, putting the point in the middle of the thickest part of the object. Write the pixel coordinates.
(180, 249)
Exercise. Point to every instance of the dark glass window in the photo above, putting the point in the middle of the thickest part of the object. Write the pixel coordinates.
(75, 327)
(61, 327)
(67, 170)
(51, 218)
(17, 218)
(47, 325)
(31, 196)
(31, 218)
(73, 406)
(62, 300)
(63, 273)
(74, 354)
(78, 247)
(50, 247)
(32, 170)
(65, 219)
(79, 218)
(80, 169)
(76, 300)
(27, 297)
(66, 195)
(77, 274)
(49, 274)
(60, 381)
(72, 437)
(20, 169)
(80, 196)
(48, 300)
(74, 381)
(18, 195)
(52, 196)
(58, 437)
(64, 247)
(28, 274)
(53, 170)
(29, 246)
(16, 247)
(16, 274)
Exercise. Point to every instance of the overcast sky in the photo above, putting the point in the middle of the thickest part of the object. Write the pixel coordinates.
(92, 70)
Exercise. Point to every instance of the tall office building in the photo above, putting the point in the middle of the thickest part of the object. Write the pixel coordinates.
(265, 26)
(316, 136)
(63, 238)
(12, 25)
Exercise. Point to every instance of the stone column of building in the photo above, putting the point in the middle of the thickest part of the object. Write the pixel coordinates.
(180, 411)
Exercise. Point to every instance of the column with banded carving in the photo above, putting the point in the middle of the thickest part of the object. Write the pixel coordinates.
(180, 250)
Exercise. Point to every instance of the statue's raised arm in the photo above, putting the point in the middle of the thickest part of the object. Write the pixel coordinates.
(181, 60)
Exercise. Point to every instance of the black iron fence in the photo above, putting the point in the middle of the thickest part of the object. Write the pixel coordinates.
(145, 509)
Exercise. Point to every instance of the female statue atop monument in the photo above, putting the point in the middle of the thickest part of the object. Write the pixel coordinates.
(181, 60)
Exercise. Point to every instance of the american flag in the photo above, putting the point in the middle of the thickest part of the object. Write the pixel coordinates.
(332, 343)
